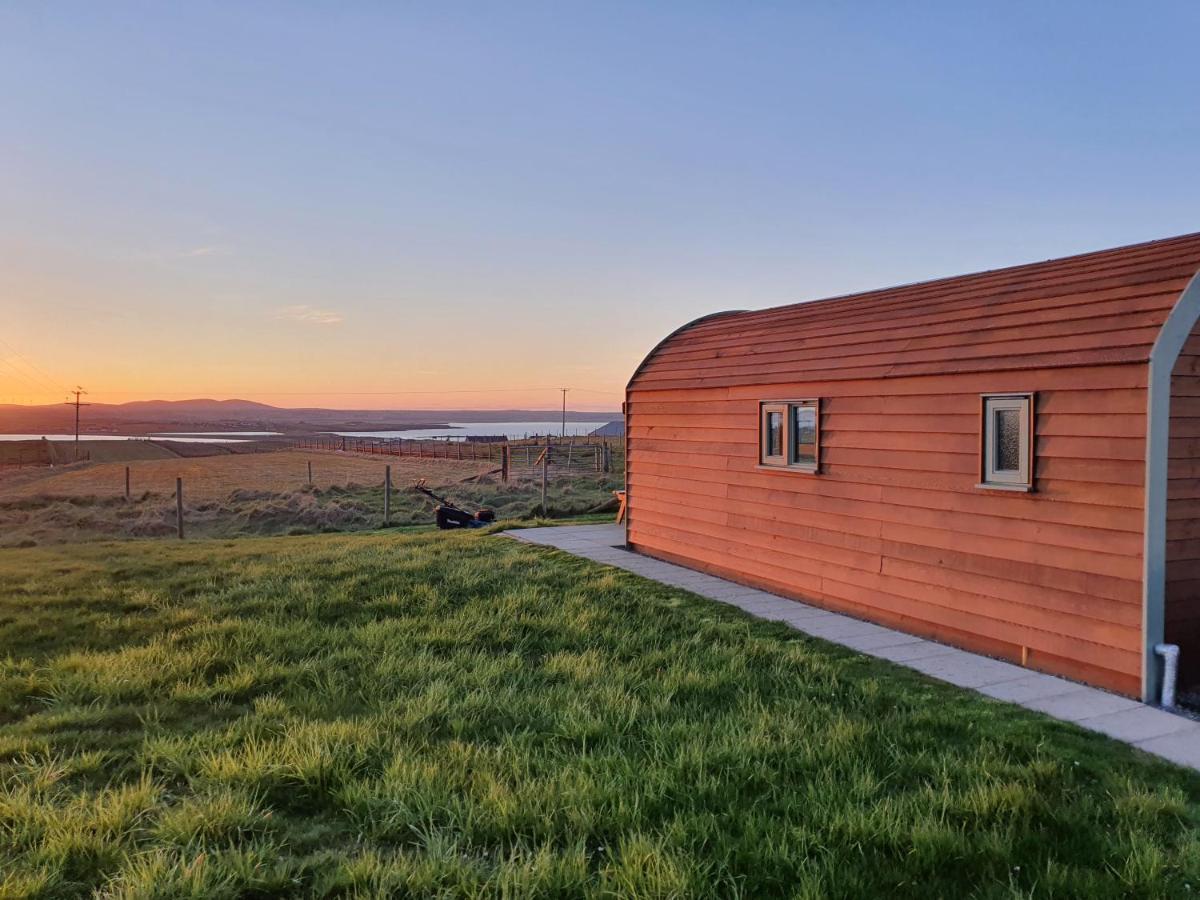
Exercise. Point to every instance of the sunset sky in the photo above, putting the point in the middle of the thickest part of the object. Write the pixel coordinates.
(471, 205)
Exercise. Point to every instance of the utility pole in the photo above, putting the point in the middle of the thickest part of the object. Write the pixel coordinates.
(564, 419)
(77, 392)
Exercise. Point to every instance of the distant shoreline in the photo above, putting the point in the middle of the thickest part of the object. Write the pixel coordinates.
(102, 420)
(288, 433)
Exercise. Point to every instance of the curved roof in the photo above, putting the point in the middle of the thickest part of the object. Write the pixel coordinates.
(1095, 309)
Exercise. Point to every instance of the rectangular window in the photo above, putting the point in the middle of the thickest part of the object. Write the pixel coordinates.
(1007, 433)
(789, 434)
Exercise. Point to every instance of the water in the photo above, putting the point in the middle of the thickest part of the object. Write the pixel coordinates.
(455, 431)
(220, 433)
(460, 430)
(122, 437)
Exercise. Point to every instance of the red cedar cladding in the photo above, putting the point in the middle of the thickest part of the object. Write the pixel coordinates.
(894, 528)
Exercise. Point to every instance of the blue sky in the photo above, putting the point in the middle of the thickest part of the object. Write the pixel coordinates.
(306, 202)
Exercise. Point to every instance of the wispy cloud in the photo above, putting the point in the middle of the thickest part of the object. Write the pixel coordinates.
(167, 255)
(310, 314)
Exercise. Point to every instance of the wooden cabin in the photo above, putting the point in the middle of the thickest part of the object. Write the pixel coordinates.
(1007, 461)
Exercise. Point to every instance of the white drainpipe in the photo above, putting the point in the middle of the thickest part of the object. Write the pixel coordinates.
(1170, 655)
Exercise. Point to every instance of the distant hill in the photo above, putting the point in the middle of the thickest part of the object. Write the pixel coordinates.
(201, 405)
(615, 428)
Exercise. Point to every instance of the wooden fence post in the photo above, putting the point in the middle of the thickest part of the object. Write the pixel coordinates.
(310, 473)
(387, 495)
(504, 456)
(545, 469)
(127, 484)
(179, 507)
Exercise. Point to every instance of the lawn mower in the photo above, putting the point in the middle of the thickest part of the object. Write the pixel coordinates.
(447, 515)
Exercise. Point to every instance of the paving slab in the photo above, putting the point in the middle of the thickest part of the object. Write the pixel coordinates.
(1083, 703)
(723, 592)
(785, 609)
(749, 598)
(1141, 723)
(1033, 687)
(634, 565)
(1168, 735)
(803, 620)
(1182, 747)
(967, 670)
(836, 627)
(909, 653)
(879, 641)
(777, 613)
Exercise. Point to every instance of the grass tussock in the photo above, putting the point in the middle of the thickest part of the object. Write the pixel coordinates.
(461, 715)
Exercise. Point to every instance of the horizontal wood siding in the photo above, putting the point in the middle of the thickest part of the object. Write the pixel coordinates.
(894, 529)
(1183, 515)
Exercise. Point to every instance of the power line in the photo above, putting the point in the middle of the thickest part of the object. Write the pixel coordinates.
(24, 379)
(41, 374)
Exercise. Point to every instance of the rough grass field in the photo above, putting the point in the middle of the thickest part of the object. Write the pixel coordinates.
(63, 452)
(215, 477)
(265, 494)
(115, 451)
(461, 715)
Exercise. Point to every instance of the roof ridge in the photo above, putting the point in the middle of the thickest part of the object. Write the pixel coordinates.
(871, 334)
(1123, 248)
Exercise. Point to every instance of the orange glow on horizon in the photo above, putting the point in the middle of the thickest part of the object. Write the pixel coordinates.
(487, 399)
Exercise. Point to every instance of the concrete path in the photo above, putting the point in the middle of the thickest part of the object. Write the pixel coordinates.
(1164, 734)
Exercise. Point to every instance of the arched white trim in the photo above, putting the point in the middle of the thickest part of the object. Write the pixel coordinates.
(1167, 347)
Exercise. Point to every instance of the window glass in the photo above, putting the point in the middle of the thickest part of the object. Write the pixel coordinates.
(1007, 441)
(804, 435)
(774, 436)
(1007, 428)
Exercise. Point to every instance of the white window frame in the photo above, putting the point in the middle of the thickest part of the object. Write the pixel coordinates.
(784, 460)
(1021, 478)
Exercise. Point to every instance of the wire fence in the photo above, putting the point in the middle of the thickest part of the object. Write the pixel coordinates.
(305, 486)
(569, 454)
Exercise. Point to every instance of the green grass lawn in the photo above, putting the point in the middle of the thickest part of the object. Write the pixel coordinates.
(463, 715)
